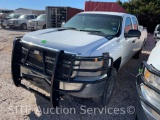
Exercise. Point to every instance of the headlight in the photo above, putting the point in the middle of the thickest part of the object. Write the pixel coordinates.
(150, 112)
(151, 96)
(15, 22)
(152, 79)
(89, 66)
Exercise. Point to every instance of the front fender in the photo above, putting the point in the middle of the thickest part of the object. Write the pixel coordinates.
(114, 47)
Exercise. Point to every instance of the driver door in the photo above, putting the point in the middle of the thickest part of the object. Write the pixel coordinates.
(129, 41)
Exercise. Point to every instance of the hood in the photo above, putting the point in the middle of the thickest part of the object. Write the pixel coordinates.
(15, 19)
(36, 20)
(7, 18)
(78, 42)
(155, 57)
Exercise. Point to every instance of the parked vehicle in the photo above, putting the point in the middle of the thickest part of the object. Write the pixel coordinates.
(38, 23)
(148, 87)
(157, 33)
(81, 58)
(22, 21)
(4, 21)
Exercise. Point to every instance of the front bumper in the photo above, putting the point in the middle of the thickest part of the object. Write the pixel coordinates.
(14, 25)
(146, 110)
(35, 27)
(54, 72)
(3, 23)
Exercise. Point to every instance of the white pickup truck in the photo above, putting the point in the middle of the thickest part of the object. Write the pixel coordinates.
(22, 21)
(148, 87)
(4, 22)
(81, 58)
(38, 23)
(156, 34)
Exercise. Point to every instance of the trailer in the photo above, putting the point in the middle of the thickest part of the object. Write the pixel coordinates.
(104, 6)
(55, 16)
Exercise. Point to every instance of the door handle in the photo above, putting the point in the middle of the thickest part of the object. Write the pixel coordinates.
(133, 41)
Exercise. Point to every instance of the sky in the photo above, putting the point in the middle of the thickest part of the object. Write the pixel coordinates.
(41, 4)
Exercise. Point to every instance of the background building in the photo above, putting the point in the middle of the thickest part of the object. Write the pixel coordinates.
(29, 11)
(6, 11)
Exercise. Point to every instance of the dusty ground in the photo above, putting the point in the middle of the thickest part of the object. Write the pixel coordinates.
(18, 104)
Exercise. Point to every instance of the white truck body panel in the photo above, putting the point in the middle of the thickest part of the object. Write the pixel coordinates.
(85, 44)
(38, 23)
(155, 57)
(32, 24)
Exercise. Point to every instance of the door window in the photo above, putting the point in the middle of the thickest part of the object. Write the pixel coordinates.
(128, 25)
(135, 23)
(31, 16)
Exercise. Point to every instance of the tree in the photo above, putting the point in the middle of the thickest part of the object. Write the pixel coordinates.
(147, 11)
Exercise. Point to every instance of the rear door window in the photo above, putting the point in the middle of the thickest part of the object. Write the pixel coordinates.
(135, 23)
(31, 16)
(128, 25)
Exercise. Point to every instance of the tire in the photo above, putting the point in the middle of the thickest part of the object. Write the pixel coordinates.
(3, 26)
(144, 43)
(10, 27)
(136, 56)
(155, 42)
(108, 90)
(24, 26)
(44, 27)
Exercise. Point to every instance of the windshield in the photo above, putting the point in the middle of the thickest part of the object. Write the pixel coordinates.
(13, 16)
(23, 17)
(107, 24)
(41, 17)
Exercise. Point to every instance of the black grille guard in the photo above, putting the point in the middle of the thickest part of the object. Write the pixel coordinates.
(63, 63)
(141, 80)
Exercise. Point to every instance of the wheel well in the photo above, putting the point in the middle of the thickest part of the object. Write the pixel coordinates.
(44, 25)
(117, 63)
(24, 23)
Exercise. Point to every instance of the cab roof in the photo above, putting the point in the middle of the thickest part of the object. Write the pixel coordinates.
(107, 13)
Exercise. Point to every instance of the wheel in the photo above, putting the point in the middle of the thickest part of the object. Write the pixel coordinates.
(3, 26)
(136, 56)
(10, 27)
(144, 43)
(44, 27)
(155, 42)
(108, 90)
(24, 26)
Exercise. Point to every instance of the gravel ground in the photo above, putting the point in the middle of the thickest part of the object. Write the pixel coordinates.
(18, 104)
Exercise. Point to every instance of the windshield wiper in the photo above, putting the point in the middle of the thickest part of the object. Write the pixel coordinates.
(70, 28)
(100, 32)
(96, 31)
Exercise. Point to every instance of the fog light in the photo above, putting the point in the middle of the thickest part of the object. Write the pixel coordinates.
(70, 86)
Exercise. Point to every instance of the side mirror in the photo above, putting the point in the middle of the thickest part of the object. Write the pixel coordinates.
(63, 23)
(133, 33)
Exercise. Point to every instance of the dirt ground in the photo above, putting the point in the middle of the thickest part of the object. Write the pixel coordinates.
(18, 104)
